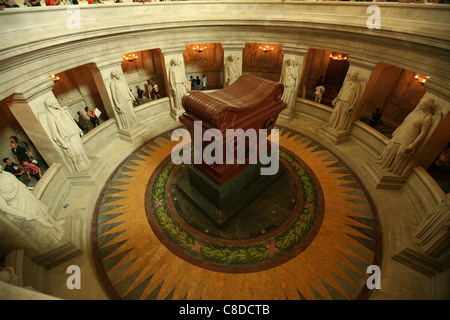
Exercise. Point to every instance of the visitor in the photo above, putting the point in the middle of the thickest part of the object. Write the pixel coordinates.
(204, 81)
(52, 2)
(13, 168)
(139, 92)
(192, 81)
(94, 120)
(319, 93)
(440, 161)
(21, 154)
(82, 122)
(197, 83)
(155, 90)
(31, 3)
(149, 89)
(8, 4)
(32, 170)
(375, 118)
(19, 142)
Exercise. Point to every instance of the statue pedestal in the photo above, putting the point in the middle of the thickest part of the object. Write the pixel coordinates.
(220, 204)
(133, 135)
(176, 113)
(382, 178)
(58, 255)
(408, 252)
(337, 136)
(287, 114)
(90, 175)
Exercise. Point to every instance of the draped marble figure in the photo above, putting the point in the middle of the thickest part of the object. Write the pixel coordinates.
(345, 102)
(289, 78)
(231, 70)
(66, 134)
(177, 82)
(406, 137)
(123, 101)
(22, 207)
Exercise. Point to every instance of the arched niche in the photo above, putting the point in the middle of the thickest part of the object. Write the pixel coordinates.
(205, 59)
(10, 126)
(147, 66)
(319, 64)
(395, 92)
(76, 89)
(265, 64)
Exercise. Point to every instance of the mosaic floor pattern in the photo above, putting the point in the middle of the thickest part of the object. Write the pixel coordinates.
(311, 236)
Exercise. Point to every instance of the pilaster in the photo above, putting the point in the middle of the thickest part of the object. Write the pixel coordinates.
(297, 54)
(426, 247)
(235, 49)
(101, 72)
(175, 52)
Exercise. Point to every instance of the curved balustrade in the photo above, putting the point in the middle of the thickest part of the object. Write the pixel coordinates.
(412, 37)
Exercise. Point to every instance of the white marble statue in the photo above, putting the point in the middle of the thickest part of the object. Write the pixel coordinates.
(177, 82)
(23, 208)
(289, 78)
(345, 102)
(406, 137)
(231, 70)
(123, 101)
(66, 133)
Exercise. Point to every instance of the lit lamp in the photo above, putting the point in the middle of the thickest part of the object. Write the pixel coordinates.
(266, 48)
(199, 49)
(422, 79)
(338, 56)
(130, 57)
(54, 77)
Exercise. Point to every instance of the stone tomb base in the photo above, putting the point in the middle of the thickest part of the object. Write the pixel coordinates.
(220, 204)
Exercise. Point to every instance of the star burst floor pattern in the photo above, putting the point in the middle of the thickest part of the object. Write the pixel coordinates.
(311, 236)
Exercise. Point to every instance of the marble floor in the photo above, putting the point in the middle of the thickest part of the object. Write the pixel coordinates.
(140, 246)
(144, 248)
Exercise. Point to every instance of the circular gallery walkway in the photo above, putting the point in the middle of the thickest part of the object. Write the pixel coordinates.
(310, 235)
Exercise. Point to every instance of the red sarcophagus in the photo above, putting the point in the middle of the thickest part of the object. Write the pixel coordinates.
(249, 103)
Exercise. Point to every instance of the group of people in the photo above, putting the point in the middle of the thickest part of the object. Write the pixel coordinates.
(37, 3)
(197, 84)
(150, 92)
(83, 121)
(24, 164)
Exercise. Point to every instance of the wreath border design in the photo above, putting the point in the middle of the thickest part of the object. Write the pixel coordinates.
(256, 256)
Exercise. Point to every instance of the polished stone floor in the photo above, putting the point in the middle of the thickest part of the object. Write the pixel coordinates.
(311, 236)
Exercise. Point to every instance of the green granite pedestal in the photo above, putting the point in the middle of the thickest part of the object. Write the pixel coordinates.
(220, 204)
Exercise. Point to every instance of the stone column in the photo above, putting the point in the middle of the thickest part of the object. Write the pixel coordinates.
(174, 54)
(433, 232)
(102, 73)
(363, 69)
(235, 50)
(426, 247)
(296, 55)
